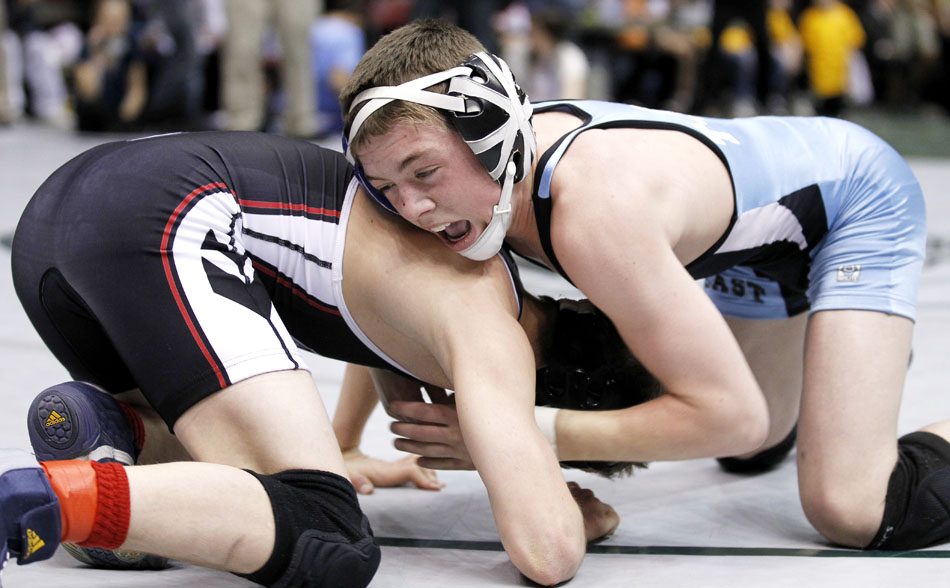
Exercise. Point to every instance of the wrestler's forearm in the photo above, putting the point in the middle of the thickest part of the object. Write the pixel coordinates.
(538, 521)
(357, 400)
(664, 429)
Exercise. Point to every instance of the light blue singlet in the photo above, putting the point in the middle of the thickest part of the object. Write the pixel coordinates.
(827, 215)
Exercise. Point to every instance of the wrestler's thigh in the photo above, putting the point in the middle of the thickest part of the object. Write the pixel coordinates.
(855, 366)
(268, 423)
(774, 350)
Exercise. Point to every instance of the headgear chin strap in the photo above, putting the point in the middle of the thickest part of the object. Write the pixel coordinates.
(490, 241)
(489, 111)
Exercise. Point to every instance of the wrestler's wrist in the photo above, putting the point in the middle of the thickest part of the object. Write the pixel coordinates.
(546, 417)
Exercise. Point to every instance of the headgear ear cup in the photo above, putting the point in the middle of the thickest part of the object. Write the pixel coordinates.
(496, 123)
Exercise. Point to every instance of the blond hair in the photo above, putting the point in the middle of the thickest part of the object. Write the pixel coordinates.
(417, 49)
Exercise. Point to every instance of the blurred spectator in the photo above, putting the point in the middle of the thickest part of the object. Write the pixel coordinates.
(557, 67)
(255, 72)
(12, 49)
(915, 51)
(603, 13)
(876, 17)
(658, 47)
(167, 42)
(47, 55)
(6, 107)
(684, 35)
(111, 87)
(210, 32)
(938, 87)
(644, 73)
(46, 44)
(597, 23)
(740, 67)
(831, 34)
(337, 42)
(475, 16)
(513, 31)
(787, 55)
(726, 15)
(243, 86)
(383, 16)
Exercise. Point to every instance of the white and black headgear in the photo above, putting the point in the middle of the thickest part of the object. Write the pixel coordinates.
(490, 112)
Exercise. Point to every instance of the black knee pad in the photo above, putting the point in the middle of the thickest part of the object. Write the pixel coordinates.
(917, 507)
(323, 538)
(762, 461)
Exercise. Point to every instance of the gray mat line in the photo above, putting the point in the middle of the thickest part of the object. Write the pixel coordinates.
(668, 550)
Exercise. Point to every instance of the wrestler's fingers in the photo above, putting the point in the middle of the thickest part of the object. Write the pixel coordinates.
(362, 483)
(445, 463)
(425, 449)
(426, 479)
(427, 433)
(425, 412)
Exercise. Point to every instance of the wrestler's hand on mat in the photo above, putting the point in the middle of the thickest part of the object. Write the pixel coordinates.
(600, 519)
(366, 473)
(432, 432)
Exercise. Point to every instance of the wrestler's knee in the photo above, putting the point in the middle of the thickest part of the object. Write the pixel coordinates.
(322, 536)
(916, 509)
(839, 516)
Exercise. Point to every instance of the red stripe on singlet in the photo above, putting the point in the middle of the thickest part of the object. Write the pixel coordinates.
(289, 206)
(171, 280)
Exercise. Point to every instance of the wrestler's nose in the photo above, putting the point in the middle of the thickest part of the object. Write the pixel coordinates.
(413, 204)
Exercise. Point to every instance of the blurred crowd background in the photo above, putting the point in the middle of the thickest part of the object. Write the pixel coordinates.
(277, 65)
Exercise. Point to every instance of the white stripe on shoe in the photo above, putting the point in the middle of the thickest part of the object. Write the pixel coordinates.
(109, 452)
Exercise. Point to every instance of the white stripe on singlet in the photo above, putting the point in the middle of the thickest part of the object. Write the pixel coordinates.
(337, 273)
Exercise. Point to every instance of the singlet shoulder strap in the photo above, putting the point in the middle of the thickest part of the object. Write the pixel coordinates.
(541, 193)
(515, 275)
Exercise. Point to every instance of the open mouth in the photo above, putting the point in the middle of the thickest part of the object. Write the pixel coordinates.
(453, 232)
(456, 231)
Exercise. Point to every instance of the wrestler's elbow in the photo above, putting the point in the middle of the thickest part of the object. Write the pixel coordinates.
(743, 423)
(548, 560)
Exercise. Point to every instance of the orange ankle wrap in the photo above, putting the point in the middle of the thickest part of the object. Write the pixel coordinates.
(93, 501)
(74, 482)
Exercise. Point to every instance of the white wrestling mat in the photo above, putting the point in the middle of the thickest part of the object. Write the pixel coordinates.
(683, 524)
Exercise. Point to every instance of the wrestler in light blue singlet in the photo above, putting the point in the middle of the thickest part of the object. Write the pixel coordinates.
(827, 215)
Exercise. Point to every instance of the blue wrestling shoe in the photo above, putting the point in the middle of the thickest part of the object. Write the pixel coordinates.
(77, 420)
(29, 510)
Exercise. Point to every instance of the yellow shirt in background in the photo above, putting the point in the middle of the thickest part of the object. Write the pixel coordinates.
(829, 35)
(780, 25)
(737, 37)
